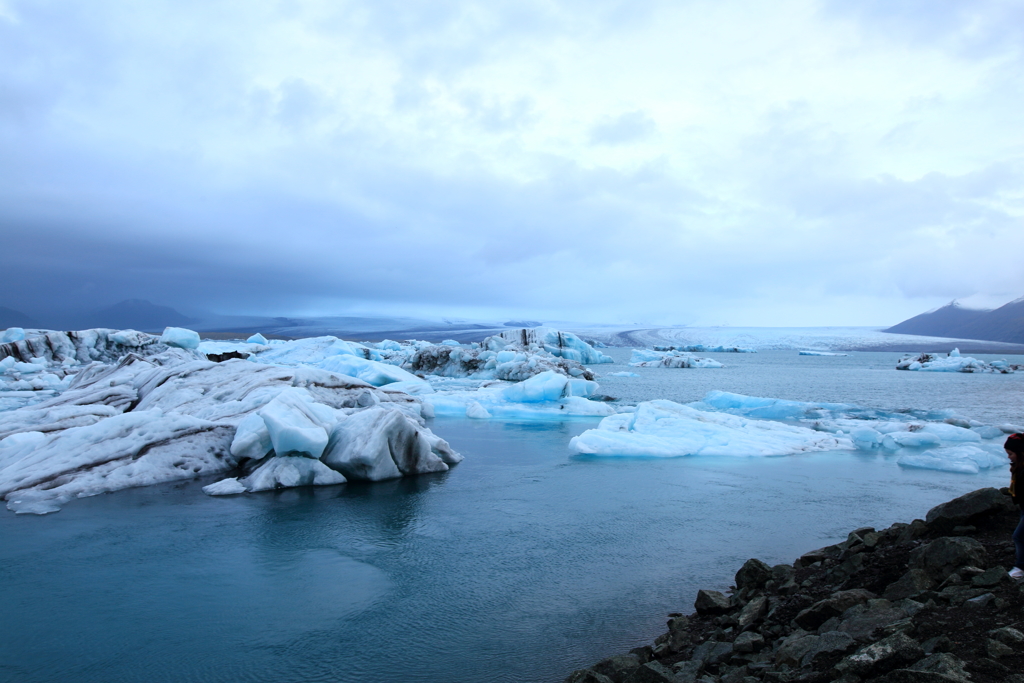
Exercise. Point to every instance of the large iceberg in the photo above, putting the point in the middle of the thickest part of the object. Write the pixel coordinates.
(512, 355)
(954, 362)
(126, 409)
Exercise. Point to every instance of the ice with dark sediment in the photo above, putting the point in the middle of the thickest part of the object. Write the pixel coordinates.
(117, 409)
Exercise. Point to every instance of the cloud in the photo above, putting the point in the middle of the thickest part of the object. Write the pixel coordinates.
(672, 161)
(629, 127)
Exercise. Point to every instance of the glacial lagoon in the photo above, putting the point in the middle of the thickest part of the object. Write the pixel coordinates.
(519, 564)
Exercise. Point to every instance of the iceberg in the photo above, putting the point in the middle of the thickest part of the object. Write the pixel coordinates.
(668, 429)
(180, 337)
(954, 362)
(724, 423)
(644, 358)
(127, 409)
(820, 353)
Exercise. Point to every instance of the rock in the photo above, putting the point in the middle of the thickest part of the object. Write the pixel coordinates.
(908, 585)
(894, 652)
(944, 664)
(958, 595)
(828, 552)
(980, 601)
(586, 676)
(990, 578)
(711, 602)
(968, 508)
(617, 667)
(711, 652)
(862, 621)
(651, 672)
(687, 672)
(833, 606)
(937, 644)
(806, 648)
(912, 676)
(945, 555)
(752, 612)
(643, 654)
(782, 573)
(912, 531)
(748, 641)
(1007, 635)
(753, 574)
(996, 650)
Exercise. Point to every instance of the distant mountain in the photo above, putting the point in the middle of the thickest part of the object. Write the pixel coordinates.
(135, 314)
(12, 318)
(1004, 324)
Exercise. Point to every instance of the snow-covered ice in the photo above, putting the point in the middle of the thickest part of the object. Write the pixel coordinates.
(646, 358)
(954, 362)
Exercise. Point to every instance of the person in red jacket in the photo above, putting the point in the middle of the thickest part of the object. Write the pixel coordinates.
(1015, 450)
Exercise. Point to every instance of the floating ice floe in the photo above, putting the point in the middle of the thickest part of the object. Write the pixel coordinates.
(126, 409)
(820, 353)
(549, 395)
(646, 358)
(954, 362)
(622, 374)
(733, 424)
(667, 429)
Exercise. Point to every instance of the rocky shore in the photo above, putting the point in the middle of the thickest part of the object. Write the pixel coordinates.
(926, 602)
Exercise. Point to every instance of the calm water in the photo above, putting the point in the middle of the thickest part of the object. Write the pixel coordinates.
(520, 564)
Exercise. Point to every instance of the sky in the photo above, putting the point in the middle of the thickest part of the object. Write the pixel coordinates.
(704, 163)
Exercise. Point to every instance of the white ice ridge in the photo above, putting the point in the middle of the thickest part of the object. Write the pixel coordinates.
(820, 353)
(124, 409)
(646, 358)
(733, 424)
(954, 362)
(705, 348)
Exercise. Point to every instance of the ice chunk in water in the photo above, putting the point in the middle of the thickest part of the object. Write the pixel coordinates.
(667, 429)
(962, 459)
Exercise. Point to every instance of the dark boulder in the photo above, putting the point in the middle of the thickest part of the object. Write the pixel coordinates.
(711, 602)
(832, 606)
(753, 574)
(968, 509)
(945, 555)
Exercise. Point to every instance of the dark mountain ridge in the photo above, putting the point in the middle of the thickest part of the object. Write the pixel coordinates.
(1003, 324)
(11, 318)
(135, 314)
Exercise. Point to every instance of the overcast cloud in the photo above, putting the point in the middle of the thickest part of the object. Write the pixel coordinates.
(786, 163)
